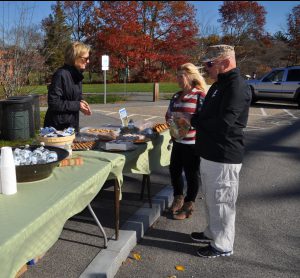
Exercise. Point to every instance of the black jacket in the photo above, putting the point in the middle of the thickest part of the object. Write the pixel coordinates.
(64, 96)
(221, 120)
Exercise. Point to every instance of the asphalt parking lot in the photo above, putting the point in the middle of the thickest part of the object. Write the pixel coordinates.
(79, 243)
(267, 226)
(263, 115)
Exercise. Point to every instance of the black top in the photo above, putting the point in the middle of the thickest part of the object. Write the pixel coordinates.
(221, 120)
(64, 96)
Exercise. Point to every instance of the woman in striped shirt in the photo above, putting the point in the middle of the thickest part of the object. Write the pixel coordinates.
(184, 104)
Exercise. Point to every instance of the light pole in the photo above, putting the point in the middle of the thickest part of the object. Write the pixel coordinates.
(105, 65)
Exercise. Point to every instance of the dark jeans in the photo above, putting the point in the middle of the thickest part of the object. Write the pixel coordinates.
(183, 158)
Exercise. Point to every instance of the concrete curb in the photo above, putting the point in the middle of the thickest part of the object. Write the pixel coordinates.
(107, 263)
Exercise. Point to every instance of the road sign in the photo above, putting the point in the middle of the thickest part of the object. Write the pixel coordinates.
(105, 62)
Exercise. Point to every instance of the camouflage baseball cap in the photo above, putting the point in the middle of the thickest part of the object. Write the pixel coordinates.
(217, 51)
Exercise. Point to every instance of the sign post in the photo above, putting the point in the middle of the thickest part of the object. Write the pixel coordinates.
(105, 65)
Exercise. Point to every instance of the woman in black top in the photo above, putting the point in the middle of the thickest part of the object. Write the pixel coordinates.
(65, 91)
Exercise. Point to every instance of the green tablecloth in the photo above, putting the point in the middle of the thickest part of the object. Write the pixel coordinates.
(148, 156)
(32, 220)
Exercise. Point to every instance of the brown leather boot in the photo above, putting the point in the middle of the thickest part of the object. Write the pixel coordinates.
(185, 212)
(177, 203)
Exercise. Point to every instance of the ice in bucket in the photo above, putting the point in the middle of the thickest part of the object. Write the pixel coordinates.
(40, 155)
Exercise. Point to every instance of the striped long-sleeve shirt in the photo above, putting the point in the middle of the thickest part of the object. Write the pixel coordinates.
(190, 103)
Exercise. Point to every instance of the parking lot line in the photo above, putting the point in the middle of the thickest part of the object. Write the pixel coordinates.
(263, 112)
(288, 112)
(254, 114)
(152, 118)
(103, 111)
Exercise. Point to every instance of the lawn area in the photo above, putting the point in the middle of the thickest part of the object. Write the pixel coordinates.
(164, 87)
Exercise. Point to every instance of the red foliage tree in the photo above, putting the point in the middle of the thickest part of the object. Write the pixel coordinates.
(144, 37)
(242, 19)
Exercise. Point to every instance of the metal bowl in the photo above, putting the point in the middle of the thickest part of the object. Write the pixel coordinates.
(28, 173)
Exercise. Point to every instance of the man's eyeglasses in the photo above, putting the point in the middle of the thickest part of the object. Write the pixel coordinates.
(85, 59)
(210, 64)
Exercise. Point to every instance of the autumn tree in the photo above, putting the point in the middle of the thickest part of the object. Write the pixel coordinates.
(243, 26)
(57, 37)
(242, 19)
(144, 37)
(294, 34)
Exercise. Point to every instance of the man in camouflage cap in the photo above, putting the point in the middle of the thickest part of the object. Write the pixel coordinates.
(220, 144)
(217, 52)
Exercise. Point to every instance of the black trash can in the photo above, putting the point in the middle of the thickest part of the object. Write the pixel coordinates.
(1, 118)
(17, 119)
(36, 111)
(35, 101)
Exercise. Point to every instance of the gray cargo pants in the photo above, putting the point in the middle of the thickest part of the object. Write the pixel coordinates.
(220, 183)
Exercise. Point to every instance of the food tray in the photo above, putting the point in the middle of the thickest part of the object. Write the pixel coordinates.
(85, 137)
(134, 138)
(141, 141)
(84, 146)
(104, 133)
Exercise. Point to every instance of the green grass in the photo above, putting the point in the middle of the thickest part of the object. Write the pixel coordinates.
(130, 87)
(92, 99)
(164, 87)
(15, 143)
(26, 90)
(19, 142)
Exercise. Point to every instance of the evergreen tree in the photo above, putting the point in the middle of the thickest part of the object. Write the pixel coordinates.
(57, 37)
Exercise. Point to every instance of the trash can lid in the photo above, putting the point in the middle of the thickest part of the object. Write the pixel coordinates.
(15, 101)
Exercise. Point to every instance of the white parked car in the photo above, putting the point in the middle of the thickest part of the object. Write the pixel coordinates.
(280, 83)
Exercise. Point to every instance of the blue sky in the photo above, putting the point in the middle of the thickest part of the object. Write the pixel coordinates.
(207, 13)
(276, 17)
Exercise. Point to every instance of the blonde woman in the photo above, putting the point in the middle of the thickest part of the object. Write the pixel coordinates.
(186, 102)
(65, 91)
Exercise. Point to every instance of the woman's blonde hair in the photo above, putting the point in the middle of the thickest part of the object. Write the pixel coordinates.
(75, 50)
(193, 74)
